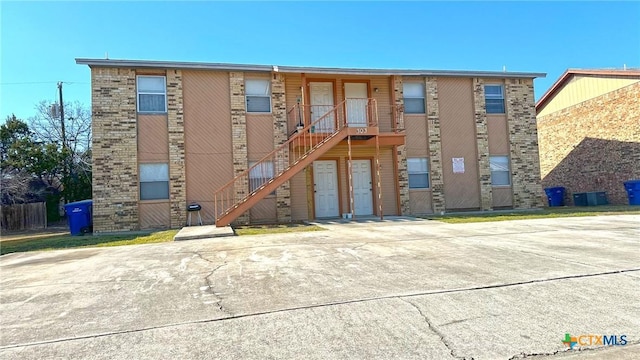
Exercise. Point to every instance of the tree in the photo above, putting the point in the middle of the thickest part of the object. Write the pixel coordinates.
(75, 147)
(37, 156)
(47, 126)
(29, 167)
(12, 132)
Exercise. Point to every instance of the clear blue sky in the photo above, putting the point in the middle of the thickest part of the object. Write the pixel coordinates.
(39, 40)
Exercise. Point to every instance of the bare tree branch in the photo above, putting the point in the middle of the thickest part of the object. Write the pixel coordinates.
(14, 186)
(47, 127)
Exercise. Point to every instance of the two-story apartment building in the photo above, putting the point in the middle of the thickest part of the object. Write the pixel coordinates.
(256, 143)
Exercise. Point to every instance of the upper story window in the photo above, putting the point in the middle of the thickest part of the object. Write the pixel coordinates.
(413, 93)
(152, 94)
(494, 99)
(258, 95)
(418, 169)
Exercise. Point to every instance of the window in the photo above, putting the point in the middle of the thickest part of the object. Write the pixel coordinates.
(494, 99)
(260, 174)
(154, 181)
(413, 98)
(152, 94)
(499, 170)
(258, 95)
(418, 173)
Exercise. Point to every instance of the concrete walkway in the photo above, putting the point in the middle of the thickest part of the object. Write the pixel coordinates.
(212, 231)
(203, 232)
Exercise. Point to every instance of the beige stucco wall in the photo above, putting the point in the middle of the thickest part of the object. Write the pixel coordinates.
(458, 140)
(209, 163)
(584, 87)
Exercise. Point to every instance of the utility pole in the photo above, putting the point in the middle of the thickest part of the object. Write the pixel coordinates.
(64, 136)
(64, 146)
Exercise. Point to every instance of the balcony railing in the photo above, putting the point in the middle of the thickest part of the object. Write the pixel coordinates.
(350, 112)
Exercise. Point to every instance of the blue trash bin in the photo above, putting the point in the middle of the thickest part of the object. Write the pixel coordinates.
(633, 191)
(80, 215)
(555, 195)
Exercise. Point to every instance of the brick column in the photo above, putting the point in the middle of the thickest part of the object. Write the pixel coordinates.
(523, 139)
(399, 100)
(435, 145)
(403, 174)
(482, 141)
(114, 150)
(280, 136)
(239, 138)
(177, 177)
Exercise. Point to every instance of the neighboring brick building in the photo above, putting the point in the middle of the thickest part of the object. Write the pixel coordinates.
(589, 132)
(255, 143)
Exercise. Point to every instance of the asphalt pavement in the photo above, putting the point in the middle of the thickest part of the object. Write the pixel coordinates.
(401, 288)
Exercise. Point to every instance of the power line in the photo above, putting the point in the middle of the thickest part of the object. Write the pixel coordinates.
(29, 83)
(42, 82)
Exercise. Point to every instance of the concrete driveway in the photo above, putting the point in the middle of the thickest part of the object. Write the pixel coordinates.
(401, 289)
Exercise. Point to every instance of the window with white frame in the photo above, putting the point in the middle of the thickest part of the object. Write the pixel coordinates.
(152, 94)
(500, 175)
(260, 174)
(258, 95)
(418, 169)
(494, 99)
(154, 181)
(413, 95)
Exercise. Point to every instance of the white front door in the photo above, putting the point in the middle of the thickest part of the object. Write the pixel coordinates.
(325, 186)
(321, 96)
(356, 96)
(362, 187)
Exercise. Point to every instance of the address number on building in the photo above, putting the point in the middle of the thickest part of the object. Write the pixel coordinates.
(361, 131)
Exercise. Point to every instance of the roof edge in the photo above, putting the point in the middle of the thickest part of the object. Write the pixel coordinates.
(299, 69)
(170, 64)
(570, 72)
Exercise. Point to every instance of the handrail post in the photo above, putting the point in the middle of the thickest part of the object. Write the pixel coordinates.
(302, 88)
(393, 117)
(375, 103)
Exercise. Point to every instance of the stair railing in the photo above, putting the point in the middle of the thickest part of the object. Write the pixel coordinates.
(306, 140)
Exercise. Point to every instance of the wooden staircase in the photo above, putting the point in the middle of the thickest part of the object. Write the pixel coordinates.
(288, 159)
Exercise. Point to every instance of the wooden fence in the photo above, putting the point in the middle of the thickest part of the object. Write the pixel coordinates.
(24, 216)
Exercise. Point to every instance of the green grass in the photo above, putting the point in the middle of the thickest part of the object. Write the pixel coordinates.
(275, 229)
(546, 213)
(39, 242)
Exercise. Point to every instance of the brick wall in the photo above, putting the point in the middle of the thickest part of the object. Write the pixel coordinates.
(403, 174)
(239, 138)
(435, 148)
(594, 145)
(114, 150)
(482, 142)
(177, 177)
(523, 139)
(280, 136)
